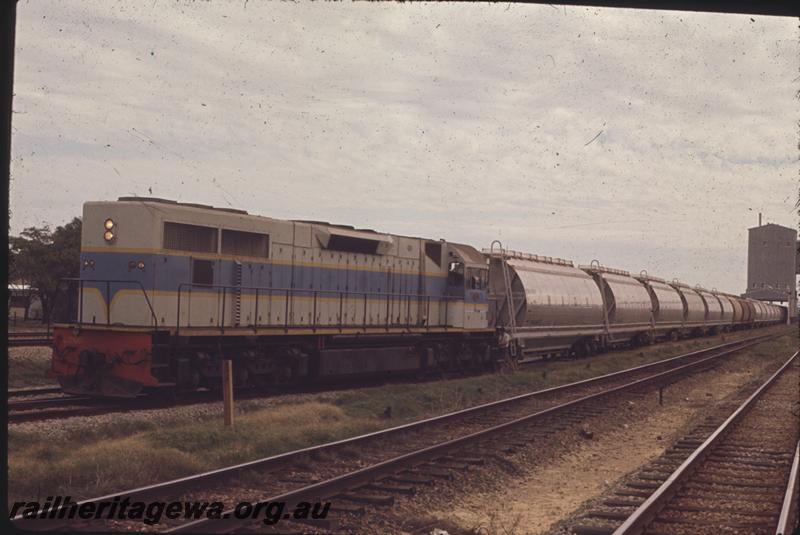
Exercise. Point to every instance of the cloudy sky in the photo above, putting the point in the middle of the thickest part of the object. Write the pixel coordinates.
(645, 139)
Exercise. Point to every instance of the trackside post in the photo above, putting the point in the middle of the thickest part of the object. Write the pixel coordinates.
(227, 391)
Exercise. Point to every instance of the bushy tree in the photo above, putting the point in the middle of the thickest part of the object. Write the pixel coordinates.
(40, 258)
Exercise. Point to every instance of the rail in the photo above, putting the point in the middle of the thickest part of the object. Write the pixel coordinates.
(789, 508)
(75, 310)
(645, 513)
(348, 309)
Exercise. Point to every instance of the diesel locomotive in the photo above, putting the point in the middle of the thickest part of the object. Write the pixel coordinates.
(167, 290)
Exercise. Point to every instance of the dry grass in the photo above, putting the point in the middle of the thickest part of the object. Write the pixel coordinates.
(110, 459)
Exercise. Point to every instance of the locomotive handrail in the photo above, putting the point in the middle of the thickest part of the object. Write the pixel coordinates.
(108, 283)
(290, 293)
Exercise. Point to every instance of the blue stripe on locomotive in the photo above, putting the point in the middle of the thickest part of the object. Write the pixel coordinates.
(164, 272)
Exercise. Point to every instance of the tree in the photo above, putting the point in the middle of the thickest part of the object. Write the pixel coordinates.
(41, 258)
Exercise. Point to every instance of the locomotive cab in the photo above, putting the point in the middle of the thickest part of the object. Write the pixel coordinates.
(468, 283)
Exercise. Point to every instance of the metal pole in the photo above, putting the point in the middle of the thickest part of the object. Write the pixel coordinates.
(428, 314)
(314, 313)
(227, 391)
(341, 296)
(286, 312)
(255, 319)
(222, 318)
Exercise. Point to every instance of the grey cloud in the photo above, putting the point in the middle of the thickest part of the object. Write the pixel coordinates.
(467, 122)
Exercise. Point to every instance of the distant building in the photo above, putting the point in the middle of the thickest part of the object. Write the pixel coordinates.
(23, 303)
(772, 263)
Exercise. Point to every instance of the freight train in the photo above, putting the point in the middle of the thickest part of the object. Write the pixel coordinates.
(168, 290)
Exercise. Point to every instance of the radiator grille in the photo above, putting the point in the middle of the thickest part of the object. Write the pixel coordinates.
(182, 237)
(236, 242)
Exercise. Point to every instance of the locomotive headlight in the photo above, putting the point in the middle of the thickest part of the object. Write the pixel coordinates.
(109, 224)
(140, 265)
(108, 235)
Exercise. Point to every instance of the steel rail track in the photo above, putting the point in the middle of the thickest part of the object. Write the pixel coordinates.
(36, 332)
(51, 414)
(46, 403)
(32, 410)
(676, 367)
(789, 517)
(33, 391)
(647, 512)
(29, 342)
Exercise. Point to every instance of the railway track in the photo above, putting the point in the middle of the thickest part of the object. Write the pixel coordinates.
(29, 338)
(46, 402)
(46, 408)
(371, 468)
(33, 391)
(66, 406)
(736, 473)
